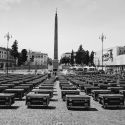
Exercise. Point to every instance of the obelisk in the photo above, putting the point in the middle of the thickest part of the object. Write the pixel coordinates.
(55, 60)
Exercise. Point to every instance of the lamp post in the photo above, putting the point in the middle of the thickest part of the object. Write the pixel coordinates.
(29, 59)
(98, 63)
(102, 37)
(94, 60)
(35, 67)
(7, 36)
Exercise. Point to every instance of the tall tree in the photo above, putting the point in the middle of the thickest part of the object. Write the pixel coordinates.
(91, 58)
(49, 61)
(24, 55)
(65, 60)
(80, 56)
(14, 51)
(20, 59)
(72, 58)
(87, 58)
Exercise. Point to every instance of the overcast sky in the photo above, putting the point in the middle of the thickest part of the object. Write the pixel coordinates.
(31, 22)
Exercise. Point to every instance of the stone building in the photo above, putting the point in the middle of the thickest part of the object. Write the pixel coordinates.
(67, 54)
(4, 60)
(37, 58)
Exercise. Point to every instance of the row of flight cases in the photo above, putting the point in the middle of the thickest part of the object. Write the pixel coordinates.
(41, 94)
(35, 88)
(39, 91)
(72, 96)
(110, 94)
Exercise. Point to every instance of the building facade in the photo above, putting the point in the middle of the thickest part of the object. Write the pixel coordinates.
(4, 60)
(113, 58)
(37, 58)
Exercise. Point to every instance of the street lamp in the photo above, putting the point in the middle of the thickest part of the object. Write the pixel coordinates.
(8, 36)
(102, 37)
(29, 59)
(35, 67)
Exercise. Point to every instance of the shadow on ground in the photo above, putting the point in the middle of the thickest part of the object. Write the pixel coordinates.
(54, 100)
(114, 108)
(83, 109)
(9, 107)
(42, 107)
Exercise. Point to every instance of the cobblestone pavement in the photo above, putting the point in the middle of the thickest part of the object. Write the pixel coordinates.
(58, 114)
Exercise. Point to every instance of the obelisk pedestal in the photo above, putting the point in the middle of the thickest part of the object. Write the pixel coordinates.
(55, 65)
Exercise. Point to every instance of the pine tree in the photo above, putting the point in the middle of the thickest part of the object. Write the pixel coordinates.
(14, 51)
(49, 61)
(24, 55)
(72, 58)
(80, 56)
(19, 59)
(87, 57)
(91, 58)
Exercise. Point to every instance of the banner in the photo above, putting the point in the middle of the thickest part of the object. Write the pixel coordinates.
(108, 56)
(121, 50)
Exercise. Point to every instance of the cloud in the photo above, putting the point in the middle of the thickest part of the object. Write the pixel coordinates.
(86, 4)
(6, 4)
(92, 6)
(12, 1)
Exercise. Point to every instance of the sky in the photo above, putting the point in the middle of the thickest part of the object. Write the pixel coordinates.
(80, 22)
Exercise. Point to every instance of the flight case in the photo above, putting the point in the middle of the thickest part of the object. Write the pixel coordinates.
(77, 101)
(33, 99)
(19, 93)
(6, 99)
(88, 90)
(111, 100)
(43, 91)
(95, 93)
(69, 92)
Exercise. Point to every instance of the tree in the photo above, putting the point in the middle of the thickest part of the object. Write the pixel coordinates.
(80, 56)
(87, 58)
(24, 55)
(65, 60)
(91, 58)
(68, 60)
(14, 51)
(19, 59)
(72, 58)
(49, 61)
